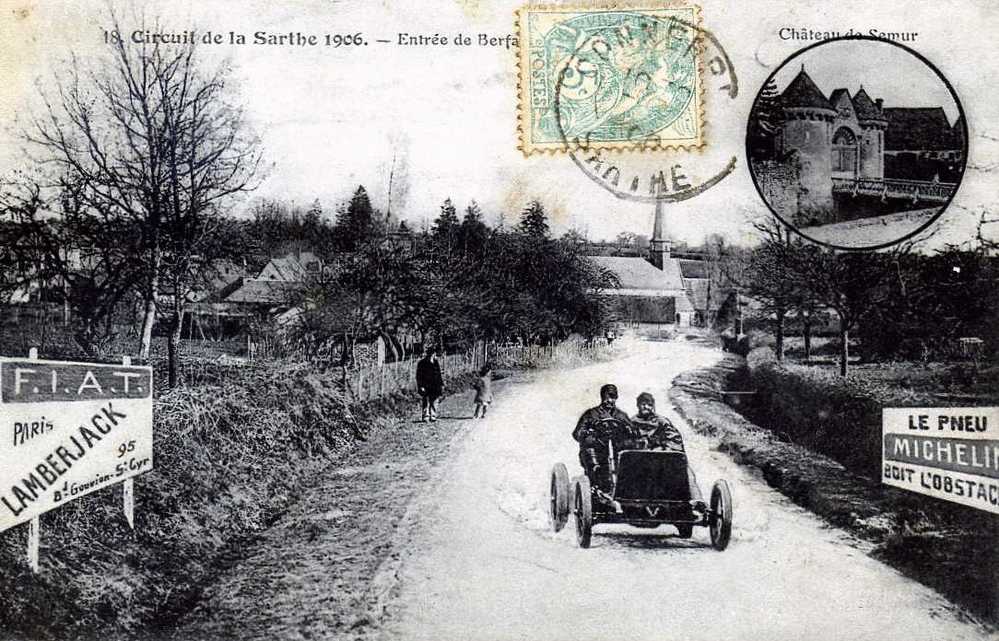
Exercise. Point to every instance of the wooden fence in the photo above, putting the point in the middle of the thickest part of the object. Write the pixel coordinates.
(367, 383)
(374, 381)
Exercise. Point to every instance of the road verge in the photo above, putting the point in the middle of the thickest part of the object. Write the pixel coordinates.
(925, 539)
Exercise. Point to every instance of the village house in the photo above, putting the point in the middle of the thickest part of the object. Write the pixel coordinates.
(651, 295)
(234, 299)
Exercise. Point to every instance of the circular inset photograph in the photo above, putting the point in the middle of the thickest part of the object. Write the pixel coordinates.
(857, 143)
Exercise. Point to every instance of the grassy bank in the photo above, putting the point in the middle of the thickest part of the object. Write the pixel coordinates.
(236, 450)
(948, 547)
(840, 416)
(229, 458)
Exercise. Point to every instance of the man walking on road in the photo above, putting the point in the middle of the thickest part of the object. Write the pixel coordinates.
(595, 430)
(430, 384)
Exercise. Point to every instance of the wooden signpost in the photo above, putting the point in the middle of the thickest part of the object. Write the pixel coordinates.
(68, 429)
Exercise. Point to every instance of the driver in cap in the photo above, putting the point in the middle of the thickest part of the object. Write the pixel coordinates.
(596, 428)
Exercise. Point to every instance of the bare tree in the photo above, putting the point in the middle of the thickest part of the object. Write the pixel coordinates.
(147, 138)
(772, 276)
(851, 283)
(208, 156)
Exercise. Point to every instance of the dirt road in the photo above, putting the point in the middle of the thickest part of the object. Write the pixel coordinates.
(482, 563)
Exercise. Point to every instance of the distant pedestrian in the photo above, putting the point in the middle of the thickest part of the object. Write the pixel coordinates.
(430, 384)
(483, 387)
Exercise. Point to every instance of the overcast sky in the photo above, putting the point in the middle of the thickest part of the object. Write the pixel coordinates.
(331, 119)
(885, 71)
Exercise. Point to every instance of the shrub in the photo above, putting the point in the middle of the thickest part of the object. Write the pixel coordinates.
(759, 357)
(821, 410)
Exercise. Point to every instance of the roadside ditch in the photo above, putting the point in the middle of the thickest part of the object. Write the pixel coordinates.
(947, 547)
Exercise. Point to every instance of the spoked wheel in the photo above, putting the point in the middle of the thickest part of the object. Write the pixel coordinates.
(558, 497)
(584, 512)
(721, 515)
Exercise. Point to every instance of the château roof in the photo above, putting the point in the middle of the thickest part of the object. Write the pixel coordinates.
(803, 93)
(957, 131)
(919, 128)
(865, 107)
(835, 96)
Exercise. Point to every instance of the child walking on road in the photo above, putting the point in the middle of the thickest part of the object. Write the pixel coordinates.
(483, 387)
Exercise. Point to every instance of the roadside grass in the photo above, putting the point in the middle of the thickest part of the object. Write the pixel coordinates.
(229, 458)
(235, 447)
(816, 437)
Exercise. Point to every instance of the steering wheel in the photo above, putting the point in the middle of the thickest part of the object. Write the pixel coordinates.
(616, 430)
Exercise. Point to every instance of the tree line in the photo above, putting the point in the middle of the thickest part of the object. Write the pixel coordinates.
(899, 303)
(126, 203)
(459, 282)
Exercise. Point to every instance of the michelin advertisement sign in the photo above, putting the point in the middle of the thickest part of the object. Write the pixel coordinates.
(951, 453)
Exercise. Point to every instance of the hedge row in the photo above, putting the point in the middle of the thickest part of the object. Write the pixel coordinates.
(816, 407)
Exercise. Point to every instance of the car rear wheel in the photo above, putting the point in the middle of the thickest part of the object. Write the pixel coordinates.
(558, 497)
(584, 512)
(721, 515)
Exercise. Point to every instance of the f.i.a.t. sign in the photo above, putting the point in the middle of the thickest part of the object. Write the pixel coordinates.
(69, 429)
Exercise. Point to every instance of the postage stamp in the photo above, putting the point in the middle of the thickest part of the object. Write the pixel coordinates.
(620, 78)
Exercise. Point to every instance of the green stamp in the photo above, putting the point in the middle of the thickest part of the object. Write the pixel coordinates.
(616, 78)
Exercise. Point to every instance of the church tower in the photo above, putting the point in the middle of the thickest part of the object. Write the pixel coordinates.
(659, 246)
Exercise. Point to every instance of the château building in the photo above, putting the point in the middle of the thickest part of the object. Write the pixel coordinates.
(829, 149)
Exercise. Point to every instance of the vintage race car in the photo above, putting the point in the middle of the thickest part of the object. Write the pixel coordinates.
(648, 488)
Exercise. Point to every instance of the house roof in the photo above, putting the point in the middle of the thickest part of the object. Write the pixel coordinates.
(219, 277)
(919, 129)
(265, 292)
(802, 92)
(691, 268)
(638, 273)
(292, 267)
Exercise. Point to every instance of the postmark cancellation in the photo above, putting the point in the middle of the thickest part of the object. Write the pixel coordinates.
(609, 77)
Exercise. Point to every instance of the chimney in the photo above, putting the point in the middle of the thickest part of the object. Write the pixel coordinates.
(659, 246)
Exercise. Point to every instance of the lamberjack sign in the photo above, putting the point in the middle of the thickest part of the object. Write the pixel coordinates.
(69, 429)
(951, 453)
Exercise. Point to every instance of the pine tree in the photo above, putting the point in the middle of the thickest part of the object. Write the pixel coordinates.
(473, 214)
(534, 221)
(764, 122)
(355, 222)
(447, 221)
(473, 231)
